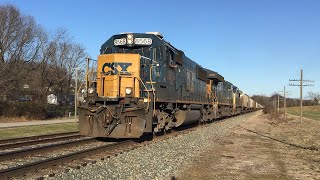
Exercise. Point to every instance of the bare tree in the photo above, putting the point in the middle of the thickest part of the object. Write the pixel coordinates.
(312, 95)
(261, 99)
(65, 56)
(55, 72)
(31, 56)
(19, 44)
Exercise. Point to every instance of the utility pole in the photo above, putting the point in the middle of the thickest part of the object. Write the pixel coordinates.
(87, 72)
(301, 86)
(301, 83)
(274, 104)
(88, 61)
(278, 105)
(76, 95)
(284, 100)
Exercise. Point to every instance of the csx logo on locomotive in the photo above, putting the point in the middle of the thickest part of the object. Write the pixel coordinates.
(114, 68)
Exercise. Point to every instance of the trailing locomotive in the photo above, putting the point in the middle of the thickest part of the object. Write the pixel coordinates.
(145, 85)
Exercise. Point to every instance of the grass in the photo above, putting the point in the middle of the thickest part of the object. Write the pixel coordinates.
(26, 131)
(311, 112)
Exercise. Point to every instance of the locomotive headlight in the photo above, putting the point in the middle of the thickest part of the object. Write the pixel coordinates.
(129, 38)
(90, 90)
(129, 41)
(128, 90)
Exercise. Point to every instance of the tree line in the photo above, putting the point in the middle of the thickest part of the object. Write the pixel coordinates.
(35, 62)
(311, 99)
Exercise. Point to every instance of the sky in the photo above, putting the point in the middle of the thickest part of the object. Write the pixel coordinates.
(258, 45)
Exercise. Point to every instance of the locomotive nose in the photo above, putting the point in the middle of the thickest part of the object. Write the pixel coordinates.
(118, 75)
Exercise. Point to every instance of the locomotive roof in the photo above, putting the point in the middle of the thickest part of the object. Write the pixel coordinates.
(156, 39)
(228, 83)
(214, 75)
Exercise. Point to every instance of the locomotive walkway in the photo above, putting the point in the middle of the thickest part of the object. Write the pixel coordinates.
(37, 122)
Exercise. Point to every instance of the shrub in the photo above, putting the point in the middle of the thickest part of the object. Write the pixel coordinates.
(30, 110)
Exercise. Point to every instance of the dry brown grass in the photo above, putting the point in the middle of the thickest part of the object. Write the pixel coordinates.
(311, 112)
(13, 119)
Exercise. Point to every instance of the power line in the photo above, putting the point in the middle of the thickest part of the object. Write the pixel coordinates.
(301, 80)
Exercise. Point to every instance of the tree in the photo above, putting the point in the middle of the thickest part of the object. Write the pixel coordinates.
(65, 56)
(20, 42)
(261, 99)
(313, 97)
(34, 62)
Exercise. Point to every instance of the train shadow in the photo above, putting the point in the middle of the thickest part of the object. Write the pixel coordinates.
(107, 139)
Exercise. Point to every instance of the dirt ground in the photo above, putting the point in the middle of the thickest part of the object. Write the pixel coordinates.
(253, 151)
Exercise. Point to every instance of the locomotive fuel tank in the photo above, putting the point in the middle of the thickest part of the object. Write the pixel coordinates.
(187, 117)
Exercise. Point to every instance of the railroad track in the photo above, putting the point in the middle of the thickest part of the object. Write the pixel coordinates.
(36, 138)
(96, 153)
(47, 147)
(19, 170)
(40, 149)
(63, 161)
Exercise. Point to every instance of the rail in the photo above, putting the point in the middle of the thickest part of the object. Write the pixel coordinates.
(3, 141)
(18, 170)
(30, 151)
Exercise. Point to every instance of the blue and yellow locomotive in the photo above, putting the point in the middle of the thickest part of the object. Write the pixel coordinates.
(144, 85)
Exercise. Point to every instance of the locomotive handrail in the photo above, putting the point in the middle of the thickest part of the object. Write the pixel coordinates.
(148, 59)
(154, 94)
(146, 90)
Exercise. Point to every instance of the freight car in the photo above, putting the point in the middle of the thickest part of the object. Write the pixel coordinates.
(145, 85)
(245, 103)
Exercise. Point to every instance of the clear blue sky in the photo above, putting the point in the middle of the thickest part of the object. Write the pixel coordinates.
(258, 45)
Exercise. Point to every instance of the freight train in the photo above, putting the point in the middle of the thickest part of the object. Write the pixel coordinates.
(144, 85)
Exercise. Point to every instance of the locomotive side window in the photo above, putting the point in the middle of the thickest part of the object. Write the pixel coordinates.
(179, 57)
(108, 50)
(170, 72)
(170, 58)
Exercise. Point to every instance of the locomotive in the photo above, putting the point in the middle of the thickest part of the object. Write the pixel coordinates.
(144, 85)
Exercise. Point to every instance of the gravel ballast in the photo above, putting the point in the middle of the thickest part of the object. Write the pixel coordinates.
(161, 160)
